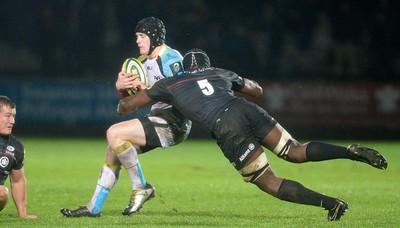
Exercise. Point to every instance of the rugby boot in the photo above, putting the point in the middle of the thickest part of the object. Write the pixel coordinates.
(82, 211)
(138, 198)
(338, 210)
(364, 154)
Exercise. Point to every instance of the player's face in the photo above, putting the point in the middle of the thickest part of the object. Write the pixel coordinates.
(143, 43)
(7, 120)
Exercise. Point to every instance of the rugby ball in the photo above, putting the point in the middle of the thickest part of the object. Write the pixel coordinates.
(134, 66)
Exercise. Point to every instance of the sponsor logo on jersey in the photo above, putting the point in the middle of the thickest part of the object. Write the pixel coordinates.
(10, 150)
(4, 161)
(249, 149)
(176, 68)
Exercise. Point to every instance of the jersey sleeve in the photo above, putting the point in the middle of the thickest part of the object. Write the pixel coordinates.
(19, 154)
(236, 80)
(158, 92)
(238, 83)
(20, 161)
(172, 64)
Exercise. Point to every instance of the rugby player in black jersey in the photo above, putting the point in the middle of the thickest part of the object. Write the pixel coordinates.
(12, 155)
(205, 94)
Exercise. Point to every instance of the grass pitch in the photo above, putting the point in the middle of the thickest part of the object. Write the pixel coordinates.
(197, 187)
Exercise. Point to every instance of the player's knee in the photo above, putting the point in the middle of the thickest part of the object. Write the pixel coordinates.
(290, 150)
(255, 169)
(283, 147)
(110, 134)
(3, 196)
(3, 192)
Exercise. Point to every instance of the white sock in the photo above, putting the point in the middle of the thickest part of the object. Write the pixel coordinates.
(128, 157)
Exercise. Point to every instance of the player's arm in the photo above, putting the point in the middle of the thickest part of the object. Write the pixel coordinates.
(132, 103)
(18, 189)
(251, 88)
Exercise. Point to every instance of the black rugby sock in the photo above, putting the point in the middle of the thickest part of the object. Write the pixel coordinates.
(319, 151)
(295, 192)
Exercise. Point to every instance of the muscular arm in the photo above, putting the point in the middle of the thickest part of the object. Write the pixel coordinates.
(133, 103)
(18, 189)
(251, 88)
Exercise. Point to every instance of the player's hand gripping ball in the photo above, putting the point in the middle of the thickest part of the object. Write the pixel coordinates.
(134, 66)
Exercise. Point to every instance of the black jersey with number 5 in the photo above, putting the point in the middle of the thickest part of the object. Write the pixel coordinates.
(201, 96)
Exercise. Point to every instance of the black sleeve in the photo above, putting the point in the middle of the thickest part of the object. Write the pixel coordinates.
(238, 83)
(235, 79)
(19, 153)
(158, 91)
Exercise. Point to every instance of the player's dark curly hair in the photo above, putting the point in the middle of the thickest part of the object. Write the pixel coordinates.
(196, 60)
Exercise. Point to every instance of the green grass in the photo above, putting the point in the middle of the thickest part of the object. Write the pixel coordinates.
(196, 186)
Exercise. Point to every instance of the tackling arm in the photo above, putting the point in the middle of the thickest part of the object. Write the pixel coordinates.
(252, 88)
(132, 103)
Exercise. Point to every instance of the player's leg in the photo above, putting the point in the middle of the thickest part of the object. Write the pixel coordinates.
(128, 138)
(141, 190)
(107, 179)
(278, 140)
(161, 129)
(258, 172)
(125, 138)
(127, 131)
(4, 195)
(284, 146)
(291, 150)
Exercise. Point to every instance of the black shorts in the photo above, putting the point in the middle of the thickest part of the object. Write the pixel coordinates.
(164, 128)
(152, 140)
(240, 129)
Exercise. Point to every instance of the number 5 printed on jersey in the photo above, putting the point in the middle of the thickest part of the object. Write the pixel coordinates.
(205, 87)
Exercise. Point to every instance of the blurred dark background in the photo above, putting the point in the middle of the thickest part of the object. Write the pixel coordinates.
(280, 41)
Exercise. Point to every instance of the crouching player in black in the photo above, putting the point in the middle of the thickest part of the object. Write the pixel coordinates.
(205, 94)
(12, 155)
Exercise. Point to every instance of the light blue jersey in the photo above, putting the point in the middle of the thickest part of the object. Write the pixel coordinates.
(168, 63)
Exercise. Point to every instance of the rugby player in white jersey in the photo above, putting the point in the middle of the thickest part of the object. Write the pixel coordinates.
(163, 127)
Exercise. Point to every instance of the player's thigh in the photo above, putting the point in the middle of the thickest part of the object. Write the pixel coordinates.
(272, 139)
(130, 130)
(281, 143)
